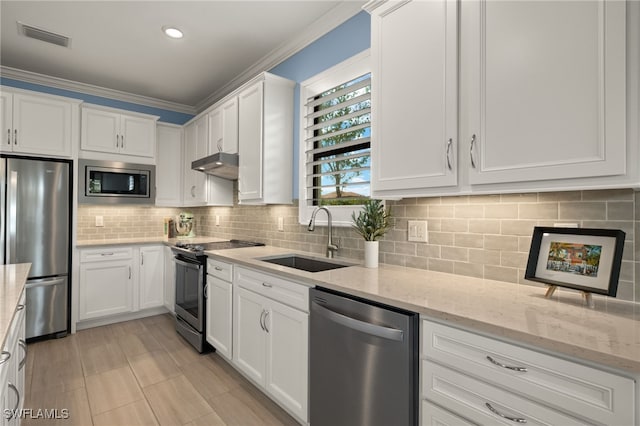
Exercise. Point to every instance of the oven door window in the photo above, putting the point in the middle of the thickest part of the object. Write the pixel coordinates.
(117, 182)
(189, 293)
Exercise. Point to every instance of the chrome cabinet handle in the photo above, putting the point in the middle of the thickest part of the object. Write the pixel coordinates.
(141, 258)
(449, 143)
(15, 389)
(121, 141)
(498, 413)
(117, 140)
(106, 254)
(20, 307)
(266, 314)
(206, 290)
(261, 319)
(508, 367)
(129, 272)
(15, 137)
(267, 285)
(193, 191)
(23, 344)
(4, 357)
(473, 141)
(8, 136)
(217, 268)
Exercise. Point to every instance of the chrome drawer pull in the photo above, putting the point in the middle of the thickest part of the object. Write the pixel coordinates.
(449, 142)
(106, 254)
(20, 307)
(473, 141)
(498, 413)
(4, 357)
(267, 285)
(217, 268)
(23, 361)
(508, 367)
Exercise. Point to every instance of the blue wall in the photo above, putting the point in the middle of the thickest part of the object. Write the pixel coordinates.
(165, 115)
(346, 40)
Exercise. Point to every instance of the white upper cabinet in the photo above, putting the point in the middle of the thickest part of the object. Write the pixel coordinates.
(265, 137)
(414, 96)
(38, 124)
(169, 165)
(542, 90)
(195, 147)
(223, 127)
(114, 131)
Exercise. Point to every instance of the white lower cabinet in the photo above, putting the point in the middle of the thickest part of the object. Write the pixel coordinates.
(493, 382)
(151, 281)
(219, 316)
(169, 280)
(120, 279)
(12, 368)
(271, 339)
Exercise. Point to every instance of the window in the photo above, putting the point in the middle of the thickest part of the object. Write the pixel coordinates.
(335, 139)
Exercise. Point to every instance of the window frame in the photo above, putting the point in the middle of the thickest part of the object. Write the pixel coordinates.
(347, 70)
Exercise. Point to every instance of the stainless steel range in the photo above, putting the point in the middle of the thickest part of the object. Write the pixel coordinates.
(191, 273)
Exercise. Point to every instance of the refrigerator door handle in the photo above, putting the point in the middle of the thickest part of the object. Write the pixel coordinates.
(45, 282)
(3, 171)
(12, 217)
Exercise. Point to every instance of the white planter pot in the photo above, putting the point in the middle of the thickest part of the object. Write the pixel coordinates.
(371, 254)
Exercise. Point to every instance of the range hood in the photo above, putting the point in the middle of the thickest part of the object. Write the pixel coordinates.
(220, 164)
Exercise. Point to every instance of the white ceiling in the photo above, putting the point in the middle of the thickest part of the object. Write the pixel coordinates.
(119, 44)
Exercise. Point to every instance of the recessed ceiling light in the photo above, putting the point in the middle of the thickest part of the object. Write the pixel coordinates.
(172, 32)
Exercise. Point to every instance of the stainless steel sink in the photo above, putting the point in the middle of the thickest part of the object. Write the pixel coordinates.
(305, 263)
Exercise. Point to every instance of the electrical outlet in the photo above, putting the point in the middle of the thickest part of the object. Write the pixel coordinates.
(99, 221)
(281, 223)
(418, 231)
(217, 220)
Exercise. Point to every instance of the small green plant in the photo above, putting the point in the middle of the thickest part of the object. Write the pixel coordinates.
(373, 221)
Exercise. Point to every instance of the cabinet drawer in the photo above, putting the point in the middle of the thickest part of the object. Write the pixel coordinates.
(433, 415)
(287, 292)
(484, 403)
(105, 253)
(569, 386)
(219, 269)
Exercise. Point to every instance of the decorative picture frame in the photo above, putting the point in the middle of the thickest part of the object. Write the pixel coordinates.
(585, 259)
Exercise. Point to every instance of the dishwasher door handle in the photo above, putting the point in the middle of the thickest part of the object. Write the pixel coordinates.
(362, 326)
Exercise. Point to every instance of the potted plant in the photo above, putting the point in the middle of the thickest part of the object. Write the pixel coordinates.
(372, 222)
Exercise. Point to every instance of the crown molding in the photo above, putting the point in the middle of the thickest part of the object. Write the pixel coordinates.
(90, 89)
(330, 20)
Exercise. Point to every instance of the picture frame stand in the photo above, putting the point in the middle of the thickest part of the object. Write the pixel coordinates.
(587, 296)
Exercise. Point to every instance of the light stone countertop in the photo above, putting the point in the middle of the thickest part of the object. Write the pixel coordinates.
(148, 240)
(609, 334)
(12, 281)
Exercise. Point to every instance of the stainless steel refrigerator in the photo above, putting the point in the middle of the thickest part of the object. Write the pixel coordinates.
(35, 228)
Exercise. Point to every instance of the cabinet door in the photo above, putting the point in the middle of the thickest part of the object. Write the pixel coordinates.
(414, 106)
(169, 280)
(250, 109)
(41, 125)
(287, 357)
(542, 89)
(106, 288)
(6, 121)
(249, 337)
(151, 282)
(219, 318)
(138, 136)
(169, 166)
(223, 128)
(100, 130)
(195, 147)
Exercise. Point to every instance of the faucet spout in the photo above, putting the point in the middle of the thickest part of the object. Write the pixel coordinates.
(331, 247)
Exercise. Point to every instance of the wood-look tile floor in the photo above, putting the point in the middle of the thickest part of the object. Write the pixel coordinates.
(140, 373)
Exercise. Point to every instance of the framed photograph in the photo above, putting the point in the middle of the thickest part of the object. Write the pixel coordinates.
(579, 258)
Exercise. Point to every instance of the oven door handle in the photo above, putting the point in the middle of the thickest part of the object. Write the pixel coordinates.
(187, 264)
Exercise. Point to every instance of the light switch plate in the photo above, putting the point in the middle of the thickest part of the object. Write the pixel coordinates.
(418, 231)
(99, 221)
(281, 223)
(217, 220)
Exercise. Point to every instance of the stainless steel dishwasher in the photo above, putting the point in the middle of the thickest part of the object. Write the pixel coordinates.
(363, 362)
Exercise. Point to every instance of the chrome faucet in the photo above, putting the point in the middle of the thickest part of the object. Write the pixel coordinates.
(331, 248)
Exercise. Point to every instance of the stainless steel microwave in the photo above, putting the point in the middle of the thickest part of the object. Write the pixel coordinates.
(112, 182)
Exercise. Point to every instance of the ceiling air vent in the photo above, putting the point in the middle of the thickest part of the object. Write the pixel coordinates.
(43, 35)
